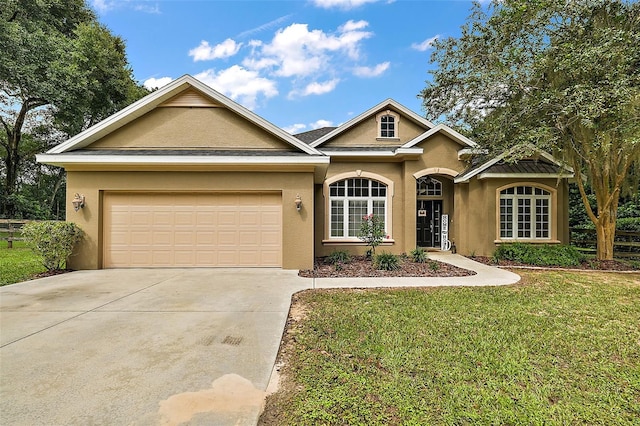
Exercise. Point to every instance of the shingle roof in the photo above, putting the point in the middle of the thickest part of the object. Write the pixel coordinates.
(524, 166)
(313, 135)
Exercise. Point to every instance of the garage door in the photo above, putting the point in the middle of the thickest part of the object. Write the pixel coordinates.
(192, 229)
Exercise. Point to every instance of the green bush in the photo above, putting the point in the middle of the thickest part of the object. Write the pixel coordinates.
(434, 266)
(628, 224)
(53, 241)
(539, 255)
(339, 257)
(419, 255)
(386, 261)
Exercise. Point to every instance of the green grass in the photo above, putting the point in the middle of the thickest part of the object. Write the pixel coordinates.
(560, 348)
(18, 264)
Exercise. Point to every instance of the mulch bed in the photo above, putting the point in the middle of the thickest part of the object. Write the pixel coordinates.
(360, 266)
(51, 273)
(590, 265)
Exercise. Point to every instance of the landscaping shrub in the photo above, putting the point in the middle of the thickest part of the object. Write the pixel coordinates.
(339, 256)
(386, 261)
(53, 241)
(372, 231)
(419, 255)
(539, 255)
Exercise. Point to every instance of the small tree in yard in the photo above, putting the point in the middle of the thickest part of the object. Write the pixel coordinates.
(372, 231)
(53, 241)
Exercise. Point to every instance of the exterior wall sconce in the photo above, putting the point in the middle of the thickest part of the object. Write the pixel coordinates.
(78, 202)
(298, 202)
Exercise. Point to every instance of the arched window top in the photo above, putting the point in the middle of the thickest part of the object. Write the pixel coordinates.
(525, 190)
(428, 186)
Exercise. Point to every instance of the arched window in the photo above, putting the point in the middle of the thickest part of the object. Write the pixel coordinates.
(525, 213)
(428, 186)
(388, 125)
(350, 200)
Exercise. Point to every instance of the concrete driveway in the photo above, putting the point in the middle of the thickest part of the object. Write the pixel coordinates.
(158, 346)
(141, 347)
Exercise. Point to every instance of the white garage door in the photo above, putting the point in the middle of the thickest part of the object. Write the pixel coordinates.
(192, 229)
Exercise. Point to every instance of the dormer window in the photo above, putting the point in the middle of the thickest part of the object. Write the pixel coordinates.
(388, 125)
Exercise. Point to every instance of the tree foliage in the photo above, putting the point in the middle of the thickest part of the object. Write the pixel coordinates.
(561, 76)
(60, 67)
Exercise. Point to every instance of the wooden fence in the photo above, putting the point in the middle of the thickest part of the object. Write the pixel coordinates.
(626, 243)
(11, 230)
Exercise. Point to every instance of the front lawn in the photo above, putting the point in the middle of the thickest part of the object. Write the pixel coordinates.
(558, 348)
(18, 263)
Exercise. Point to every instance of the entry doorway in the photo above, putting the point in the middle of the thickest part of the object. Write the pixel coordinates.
(428, 223)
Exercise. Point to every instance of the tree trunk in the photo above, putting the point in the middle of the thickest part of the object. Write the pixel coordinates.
(605, 234)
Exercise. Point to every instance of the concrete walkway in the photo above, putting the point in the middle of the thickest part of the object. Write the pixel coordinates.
(158, 346)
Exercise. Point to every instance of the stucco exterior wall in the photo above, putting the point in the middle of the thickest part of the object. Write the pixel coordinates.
(477, 214)
(366, 135)
(191, 128)
(297, 226)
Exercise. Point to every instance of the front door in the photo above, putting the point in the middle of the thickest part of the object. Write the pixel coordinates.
(428, 223)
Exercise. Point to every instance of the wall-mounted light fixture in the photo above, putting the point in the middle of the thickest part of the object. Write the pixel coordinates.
(298, 202)
(78, 202)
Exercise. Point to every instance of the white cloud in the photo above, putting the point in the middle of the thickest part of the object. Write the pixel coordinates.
(352, 25)
(425, 45)
(321, 123)
(296, 51)
(341, 4)
(371, 71)
(240, 84)
(294, 128)
(316, 88)
(156, 83)
(102, 5)
(204, 52)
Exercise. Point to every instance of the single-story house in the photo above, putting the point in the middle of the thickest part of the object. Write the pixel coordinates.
(186, 177)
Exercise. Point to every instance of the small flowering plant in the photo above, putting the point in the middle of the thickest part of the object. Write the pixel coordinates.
(372, 231)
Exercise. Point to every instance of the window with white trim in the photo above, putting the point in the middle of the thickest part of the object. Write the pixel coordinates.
(388, 125)
(525, 213)
(352, 199)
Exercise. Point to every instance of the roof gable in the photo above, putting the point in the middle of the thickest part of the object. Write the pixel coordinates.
(389, 104)
(185, 91)
(444, 129)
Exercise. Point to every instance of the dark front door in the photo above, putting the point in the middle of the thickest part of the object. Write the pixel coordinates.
(428, 223)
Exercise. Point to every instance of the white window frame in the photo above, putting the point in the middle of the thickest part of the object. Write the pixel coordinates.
(537, 193)
(345, 199)
(396, 121)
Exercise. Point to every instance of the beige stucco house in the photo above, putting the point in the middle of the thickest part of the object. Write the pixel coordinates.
(187, 177)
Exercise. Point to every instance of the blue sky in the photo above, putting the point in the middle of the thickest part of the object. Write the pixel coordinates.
(301, 64)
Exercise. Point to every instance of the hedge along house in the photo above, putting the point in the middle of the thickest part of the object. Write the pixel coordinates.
(186, 177)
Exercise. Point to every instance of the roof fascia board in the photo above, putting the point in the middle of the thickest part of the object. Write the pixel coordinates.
(61, 159)
(388, 102)
(461, 139)
(527, 175)
(154, 99)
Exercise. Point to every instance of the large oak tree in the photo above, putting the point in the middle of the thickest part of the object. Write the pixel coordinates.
(562, 76)
(55, 56)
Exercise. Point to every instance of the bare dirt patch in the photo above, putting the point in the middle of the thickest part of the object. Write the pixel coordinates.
(361, 266)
